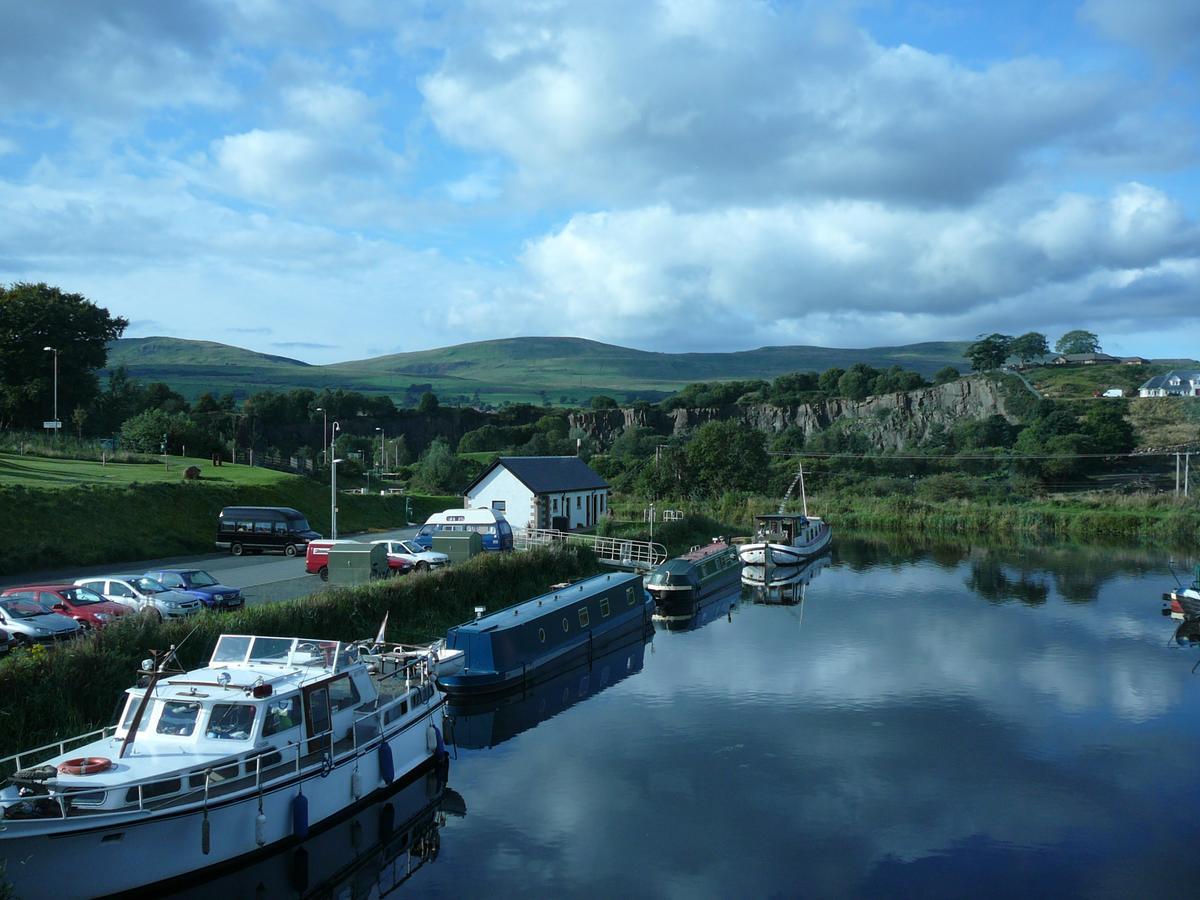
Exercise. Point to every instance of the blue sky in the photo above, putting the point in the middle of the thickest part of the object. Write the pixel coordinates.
(335, 180)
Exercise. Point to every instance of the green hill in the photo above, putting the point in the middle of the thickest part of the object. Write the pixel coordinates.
(558, 369)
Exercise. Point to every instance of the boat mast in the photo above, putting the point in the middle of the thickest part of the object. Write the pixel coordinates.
(803, 497)
(155, 673)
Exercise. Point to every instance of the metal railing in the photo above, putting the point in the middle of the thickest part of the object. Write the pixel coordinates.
(619, 551)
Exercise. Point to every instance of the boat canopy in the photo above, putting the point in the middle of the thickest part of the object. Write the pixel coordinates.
(243, 650)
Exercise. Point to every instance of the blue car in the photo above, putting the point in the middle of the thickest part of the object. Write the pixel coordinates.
(202, 586)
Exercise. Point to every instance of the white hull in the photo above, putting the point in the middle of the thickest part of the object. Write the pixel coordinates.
(125, 850)
(762, 554)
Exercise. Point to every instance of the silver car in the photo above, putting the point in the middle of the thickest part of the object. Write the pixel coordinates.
(143, 594)
(28, 622)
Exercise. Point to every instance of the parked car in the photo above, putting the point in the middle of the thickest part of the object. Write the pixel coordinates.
(31, 623)
(202, 586)
(143, 594)
(316, 559)
(278, 529)
(420, 558)
(6, 642)
(82, 604)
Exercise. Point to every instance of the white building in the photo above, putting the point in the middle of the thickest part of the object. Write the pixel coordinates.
(1176, 383)
(541, 492)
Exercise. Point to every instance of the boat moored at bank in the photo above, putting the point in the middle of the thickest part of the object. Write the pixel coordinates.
(535, 639)
(680, 584)
(274, 736)
(785, 539)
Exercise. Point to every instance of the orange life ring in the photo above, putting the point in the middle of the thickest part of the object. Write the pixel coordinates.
(85, 765)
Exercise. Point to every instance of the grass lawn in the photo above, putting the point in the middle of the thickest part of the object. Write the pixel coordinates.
(49, 472)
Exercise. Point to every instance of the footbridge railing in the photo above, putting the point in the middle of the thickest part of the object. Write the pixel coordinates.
(621, 552)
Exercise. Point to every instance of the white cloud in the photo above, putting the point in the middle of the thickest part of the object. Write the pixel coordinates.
(1168, 29)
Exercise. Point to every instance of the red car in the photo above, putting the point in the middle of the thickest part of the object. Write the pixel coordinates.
(83, 605)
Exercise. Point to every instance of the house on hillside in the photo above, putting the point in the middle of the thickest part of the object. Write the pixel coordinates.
(1085, 359)
(1176, 383)
(1134, 361)
(541, 492)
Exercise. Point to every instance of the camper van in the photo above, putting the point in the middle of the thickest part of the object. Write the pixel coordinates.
(275, 529)
(492, 527)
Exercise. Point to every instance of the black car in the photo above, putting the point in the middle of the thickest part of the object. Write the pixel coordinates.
(276, 529)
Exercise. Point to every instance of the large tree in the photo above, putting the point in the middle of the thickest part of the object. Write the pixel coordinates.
(1078, 341)
(1029, 346)
(36, 316)
(726, 456)
(989, 352)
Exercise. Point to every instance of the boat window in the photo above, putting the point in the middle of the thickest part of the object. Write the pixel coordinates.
(342, 693)
(542, 635)
(231, 721)
(566, 624)
(131, 711)
(583, 617)
(178, 718)
(604, 608)
(283, 714)
(271, 650)
(155, 789)
(231, 648)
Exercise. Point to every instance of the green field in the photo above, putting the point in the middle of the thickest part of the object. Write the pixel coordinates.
(50, 472)
(561, 371)
(1080, 382)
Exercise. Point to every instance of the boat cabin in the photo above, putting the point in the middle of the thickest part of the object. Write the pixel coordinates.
(786, 529)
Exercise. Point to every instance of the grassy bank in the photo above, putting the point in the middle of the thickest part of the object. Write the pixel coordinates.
(52, 696)
(102, 524)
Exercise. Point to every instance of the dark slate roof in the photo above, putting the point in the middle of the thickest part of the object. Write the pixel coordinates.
(1087, 357)
(547, 474)
(1161, 381)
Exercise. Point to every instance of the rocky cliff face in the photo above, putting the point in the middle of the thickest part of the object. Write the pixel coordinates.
(889, 421)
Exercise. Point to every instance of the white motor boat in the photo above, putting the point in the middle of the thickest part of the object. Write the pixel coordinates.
(785, 539)
(274, 736)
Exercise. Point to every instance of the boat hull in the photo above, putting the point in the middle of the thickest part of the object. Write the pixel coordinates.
(169, 845)
(683, 600)
(1188, 600)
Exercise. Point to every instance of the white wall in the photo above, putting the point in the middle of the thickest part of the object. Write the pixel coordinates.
(501, 484)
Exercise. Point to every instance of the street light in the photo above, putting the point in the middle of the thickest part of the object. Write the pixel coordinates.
(382, 457)
(324, 428)
(333, 479)
(54, 350)
(333, 498)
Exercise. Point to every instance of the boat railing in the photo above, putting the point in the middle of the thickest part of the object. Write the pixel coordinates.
(16, 762)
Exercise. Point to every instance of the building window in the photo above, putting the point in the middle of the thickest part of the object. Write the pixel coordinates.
(579, 503)
(554, 505)
(601, 503)
(499, 505)
(583, 617)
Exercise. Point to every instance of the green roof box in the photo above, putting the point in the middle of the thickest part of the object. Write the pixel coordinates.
(357, 563)
(458, 545)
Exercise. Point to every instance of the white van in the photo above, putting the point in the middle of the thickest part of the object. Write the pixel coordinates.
(493, 528)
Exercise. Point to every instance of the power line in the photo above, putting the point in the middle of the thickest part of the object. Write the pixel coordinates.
(997, 458)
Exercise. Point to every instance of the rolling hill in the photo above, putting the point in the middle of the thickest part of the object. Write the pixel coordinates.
(560, 370)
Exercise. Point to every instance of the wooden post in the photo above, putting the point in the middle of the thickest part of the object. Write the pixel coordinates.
(1176, 474)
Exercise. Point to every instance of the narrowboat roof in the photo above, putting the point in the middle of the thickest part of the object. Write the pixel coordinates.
(519, 613)
(780, 517)
(705, 550)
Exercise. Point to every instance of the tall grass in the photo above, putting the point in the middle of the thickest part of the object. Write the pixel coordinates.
(52, 696)
(95, 524)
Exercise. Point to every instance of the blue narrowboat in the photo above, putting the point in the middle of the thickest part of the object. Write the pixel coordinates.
(681, 584)
(538, 638)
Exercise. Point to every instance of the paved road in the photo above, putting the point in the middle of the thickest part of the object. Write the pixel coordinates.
(261, 578)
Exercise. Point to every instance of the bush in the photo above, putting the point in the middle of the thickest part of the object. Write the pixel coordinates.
(947, 487)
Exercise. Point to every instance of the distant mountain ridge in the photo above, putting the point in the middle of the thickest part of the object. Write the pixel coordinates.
(557, 370)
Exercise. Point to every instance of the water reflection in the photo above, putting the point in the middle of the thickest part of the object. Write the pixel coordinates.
(370, 854)
(711, 609)
(781, 586)
(478, 725)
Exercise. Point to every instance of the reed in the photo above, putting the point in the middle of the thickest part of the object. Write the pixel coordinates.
(52, 695)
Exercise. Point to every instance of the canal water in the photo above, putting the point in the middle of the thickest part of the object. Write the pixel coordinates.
(955, 721)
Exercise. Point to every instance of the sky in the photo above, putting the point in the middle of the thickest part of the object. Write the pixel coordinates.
(339, 179)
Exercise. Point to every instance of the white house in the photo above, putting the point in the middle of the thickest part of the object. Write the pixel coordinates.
(541, 492)
(1176, 383)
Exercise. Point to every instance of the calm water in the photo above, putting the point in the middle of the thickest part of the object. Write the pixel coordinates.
(954, 722)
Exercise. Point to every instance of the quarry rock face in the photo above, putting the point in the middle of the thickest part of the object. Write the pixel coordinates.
(889, 421)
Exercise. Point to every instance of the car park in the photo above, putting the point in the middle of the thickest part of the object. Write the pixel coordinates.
(421, 559)
(28, 622)
(143, 594)
(82, 604)
(202, 586)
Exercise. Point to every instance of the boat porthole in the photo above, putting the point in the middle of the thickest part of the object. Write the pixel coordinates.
(566, 624)
(542, 635)
(629, 595)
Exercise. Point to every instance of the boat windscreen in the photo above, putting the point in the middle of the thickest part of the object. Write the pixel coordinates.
(231, 648)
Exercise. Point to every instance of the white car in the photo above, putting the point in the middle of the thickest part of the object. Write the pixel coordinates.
(143, 594)
(422, 560)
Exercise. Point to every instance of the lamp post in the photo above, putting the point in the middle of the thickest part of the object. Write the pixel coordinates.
(333, 461)
(324, 429)
(382, 454)
(54, 350)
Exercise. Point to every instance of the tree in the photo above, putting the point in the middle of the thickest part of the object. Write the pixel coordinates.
(726, 456)
(1078, 341)
(1029, 346)
(439, 470)
(945, 375)
(35, 316)
(78, 418)
(989, 352)
(428, 403)
(144, 432)
(857, 382)
(602, 402)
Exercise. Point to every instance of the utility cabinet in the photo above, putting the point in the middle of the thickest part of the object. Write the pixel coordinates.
(458, 545)
(349, 564)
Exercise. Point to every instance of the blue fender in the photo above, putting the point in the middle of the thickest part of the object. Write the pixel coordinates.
(300, 816)
(387, 765)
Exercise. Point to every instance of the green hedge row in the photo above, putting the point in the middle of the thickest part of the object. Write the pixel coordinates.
(102, 524)
(51, 695)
